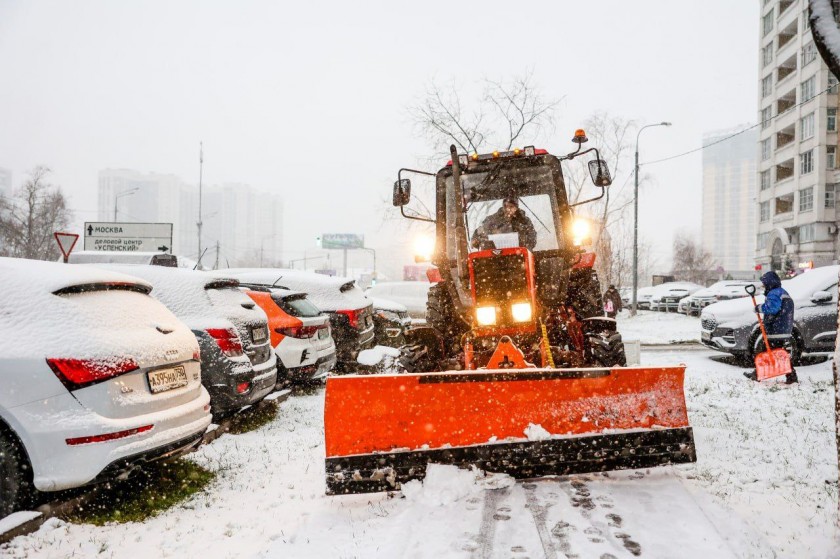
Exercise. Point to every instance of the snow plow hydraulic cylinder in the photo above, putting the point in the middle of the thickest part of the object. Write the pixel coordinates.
(383, 430)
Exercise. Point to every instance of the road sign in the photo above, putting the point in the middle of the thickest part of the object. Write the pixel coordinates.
(66, 242)
(342, 240)
(128, 237)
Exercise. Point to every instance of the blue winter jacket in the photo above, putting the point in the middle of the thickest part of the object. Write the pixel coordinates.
(777, 307)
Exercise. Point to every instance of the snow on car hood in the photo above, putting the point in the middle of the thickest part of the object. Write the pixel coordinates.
(741, 311)
(387, 305)
(35, 322)
(325, 292)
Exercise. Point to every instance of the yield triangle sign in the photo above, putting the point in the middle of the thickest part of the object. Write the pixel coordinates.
(66, 242)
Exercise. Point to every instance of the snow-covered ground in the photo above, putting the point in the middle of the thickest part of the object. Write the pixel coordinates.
(653, 327)
(764, 483)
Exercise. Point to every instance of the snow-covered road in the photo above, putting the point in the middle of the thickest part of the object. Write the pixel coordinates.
(764, 484)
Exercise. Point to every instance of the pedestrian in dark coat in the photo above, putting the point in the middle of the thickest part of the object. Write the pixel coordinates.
(612, 301)
(778, 309)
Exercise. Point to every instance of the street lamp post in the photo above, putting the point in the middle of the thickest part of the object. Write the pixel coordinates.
(634, 305)
(128, 192)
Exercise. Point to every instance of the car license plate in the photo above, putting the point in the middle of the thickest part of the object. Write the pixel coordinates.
(705, 336)
(259, 334)
(167, 379)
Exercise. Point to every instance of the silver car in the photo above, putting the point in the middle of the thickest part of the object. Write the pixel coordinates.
(731, 326)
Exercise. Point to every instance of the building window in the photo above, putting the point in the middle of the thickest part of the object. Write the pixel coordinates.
(806, 199)
(831, 120)
(765, 179)
(767, 86)
(761, 241)
(765, 149)
(806, 126)
(784, 204)
(806, 162)
(767, 55)
(830, 190)
(767, 23)
(830, 157)
(766, 116)
(764, 211)
(808, 89)
(809, 53)
(807, 233)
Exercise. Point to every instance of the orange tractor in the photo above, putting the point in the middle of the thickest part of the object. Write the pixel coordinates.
(517, 370)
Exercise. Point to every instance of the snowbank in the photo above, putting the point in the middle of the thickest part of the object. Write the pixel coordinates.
(653, 328)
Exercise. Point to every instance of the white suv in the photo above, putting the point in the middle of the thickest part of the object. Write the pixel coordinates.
(97, 378)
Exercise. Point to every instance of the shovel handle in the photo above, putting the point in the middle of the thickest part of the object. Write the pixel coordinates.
(750, 289)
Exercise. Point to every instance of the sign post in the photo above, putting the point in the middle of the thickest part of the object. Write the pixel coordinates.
(66, 242)
(128, 237)
(342, 241)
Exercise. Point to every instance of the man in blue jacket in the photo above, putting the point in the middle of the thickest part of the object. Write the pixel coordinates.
(778, 319)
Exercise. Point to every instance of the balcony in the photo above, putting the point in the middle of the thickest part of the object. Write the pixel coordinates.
(784, 171)
(784, 207)
(786, 101)
(784, 137)
(786, 68)
(783, 6)
(786, 35)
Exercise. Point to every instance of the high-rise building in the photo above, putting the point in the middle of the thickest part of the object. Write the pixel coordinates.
(241, 225)
(798, 177)
(729, 208)
(6, 187)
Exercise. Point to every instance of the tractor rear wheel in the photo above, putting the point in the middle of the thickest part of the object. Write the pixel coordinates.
(442, 316)
(606, 349)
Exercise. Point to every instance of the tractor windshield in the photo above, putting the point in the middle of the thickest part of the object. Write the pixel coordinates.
(513, 206)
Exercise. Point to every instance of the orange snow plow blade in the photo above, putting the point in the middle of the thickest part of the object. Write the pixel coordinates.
(383, 430)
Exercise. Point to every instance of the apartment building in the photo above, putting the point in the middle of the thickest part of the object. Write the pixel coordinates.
(241, 225)
(798, 177)
(729, 211)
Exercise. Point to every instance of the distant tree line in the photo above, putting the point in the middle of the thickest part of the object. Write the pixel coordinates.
(30, 215)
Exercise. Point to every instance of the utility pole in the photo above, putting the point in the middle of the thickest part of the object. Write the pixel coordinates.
(200, 176)
(216, 265)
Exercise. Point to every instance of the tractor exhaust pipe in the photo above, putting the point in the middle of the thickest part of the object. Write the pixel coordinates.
(460, 229)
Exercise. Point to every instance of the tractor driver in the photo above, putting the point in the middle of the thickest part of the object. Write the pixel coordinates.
(508, 219)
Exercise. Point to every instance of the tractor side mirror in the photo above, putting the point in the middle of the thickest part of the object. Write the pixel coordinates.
(821, 297)
(600, 173)
(402, 192)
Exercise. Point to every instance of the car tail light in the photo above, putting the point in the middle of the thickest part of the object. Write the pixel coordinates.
(353, 316)
(300, 332)
(196, 355)
(78, 373)
(108, 436)
(228, 341)
(243, 387)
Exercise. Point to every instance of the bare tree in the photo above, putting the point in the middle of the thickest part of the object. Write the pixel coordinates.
(506, 112)
(691, 261)
(29, 218)
(614, 262)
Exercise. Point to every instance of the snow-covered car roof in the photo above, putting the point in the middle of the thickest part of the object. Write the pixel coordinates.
(328, 293)
(726, 287)
(185, 291)
(49, 277)
(51, 309)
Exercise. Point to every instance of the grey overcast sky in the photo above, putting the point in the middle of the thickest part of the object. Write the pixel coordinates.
(309, 98)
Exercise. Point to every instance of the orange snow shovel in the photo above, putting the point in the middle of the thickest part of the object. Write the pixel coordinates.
(770, 362)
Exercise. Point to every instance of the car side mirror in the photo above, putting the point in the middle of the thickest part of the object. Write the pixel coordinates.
(600, 173)
(821, 297)
(402, 192)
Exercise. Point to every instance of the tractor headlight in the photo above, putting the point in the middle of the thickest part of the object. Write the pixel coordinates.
(521, 312)
(486, 316)
(580, 231)
(424, 247)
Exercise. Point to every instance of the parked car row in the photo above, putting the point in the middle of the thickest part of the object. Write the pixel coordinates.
(107, 367)
(731, 326)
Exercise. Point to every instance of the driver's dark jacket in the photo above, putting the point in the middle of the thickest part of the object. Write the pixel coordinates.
(520, 223)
